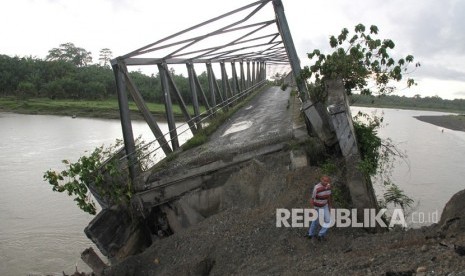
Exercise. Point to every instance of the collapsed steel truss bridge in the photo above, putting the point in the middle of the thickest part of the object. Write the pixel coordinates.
(239, 37)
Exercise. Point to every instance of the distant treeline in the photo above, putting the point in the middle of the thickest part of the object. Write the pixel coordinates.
(416, 102)
(28, 77)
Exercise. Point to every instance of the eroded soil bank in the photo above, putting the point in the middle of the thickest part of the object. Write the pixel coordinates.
(244, 240)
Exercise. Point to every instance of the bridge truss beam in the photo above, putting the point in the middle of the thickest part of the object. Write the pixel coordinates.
(237, 37)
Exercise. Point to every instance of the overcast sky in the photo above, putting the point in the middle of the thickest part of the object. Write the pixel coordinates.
(433, 31)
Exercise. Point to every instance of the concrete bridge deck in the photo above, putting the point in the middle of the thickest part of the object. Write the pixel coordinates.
(202, 181)
(262, 126)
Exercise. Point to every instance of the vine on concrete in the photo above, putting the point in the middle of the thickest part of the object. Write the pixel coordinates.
(378, 156)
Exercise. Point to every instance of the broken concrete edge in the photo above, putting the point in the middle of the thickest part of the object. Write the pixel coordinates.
(317, 115)
(117, 233)
(155, 195)
(199, 157)
(91, 258)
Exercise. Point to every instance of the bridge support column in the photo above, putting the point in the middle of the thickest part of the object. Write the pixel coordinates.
(243, 86)
(168, 106)
(315, 113)
(226, 85)
(137, 97)
(249, 82)
(253, 74)
(195, 99)
(262, 71)
(202, 93)
(211, 85)
(126, 125)
(180, 100)
(235, 86)
(361, 189)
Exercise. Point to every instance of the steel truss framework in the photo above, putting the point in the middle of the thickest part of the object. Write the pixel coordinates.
(250, 45)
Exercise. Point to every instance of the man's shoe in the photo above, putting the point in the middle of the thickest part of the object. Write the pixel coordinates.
(309, 237)
(322, 238)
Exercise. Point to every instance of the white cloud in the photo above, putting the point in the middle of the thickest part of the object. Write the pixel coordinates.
(430, 30)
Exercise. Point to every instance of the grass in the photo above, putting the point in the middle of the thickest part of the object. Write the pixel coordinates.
(86, 108)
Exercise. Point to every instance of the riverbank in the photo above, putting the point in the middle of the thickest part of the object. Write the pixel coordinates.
(244, 240)
(454, 122)
(104, 109)
(109, 109)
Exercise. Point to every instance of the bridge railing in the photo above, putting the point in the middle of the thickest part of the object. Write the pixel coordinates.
(146, 151)
(220, 98)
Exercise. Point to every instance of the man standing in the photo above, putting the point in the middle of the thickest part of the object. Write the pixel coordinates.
(321, 201)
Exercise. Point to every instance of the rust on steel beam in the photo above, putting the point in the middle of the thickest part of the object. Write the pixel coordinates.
(168, 106)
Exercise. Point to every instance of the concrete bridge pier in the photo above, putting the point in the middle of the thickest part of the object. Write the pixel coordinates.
(360, 186)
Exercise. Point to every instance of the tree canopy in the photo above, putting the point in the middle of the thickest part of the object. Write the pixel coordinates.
(105, 56)
(62, 76)
(363, 61)
(68, 52)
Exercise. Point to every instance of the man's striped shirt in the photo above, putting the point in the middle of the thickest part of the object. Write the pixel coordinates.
(320, 195)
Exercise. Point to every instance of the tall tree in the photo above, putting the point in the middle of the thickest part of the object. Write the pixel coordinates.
(361, 60)
(69, 52)
(105, 56)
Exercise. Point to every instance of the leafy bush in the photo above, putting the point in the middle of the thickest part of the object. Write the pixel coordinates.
(378, 156)
(101, 171)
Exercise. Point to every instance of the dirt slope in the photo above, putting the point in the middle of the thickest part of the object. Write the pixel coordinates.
(243, 240)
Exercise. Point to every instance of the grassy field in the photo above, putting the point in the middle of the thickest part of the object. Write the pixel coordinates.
(81, 108)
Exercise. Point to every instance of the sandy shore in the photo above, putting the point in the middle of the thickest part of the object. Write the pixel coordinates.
(454, 122)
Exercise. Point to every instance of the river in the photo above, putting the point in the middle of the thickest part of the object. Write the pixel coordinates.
(433, 170)
(41, 232)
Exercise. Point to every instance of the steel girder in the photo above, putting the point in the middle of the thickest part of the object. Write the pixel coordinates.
(255, 43)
